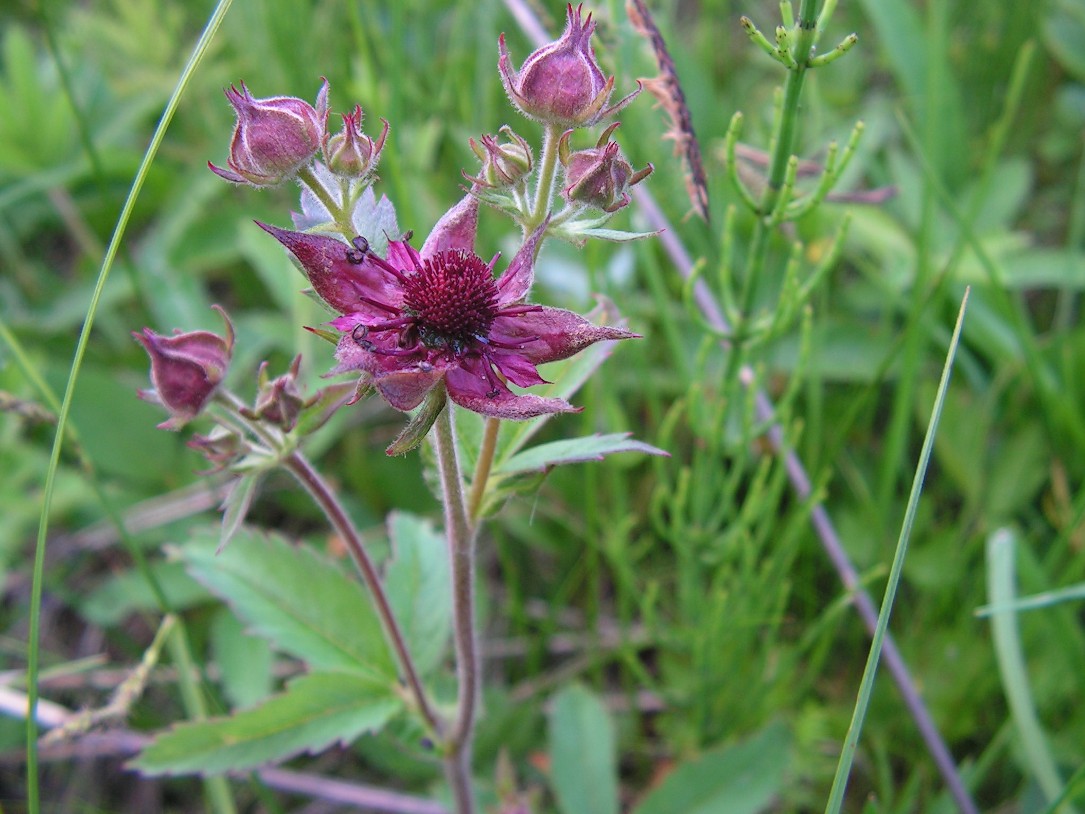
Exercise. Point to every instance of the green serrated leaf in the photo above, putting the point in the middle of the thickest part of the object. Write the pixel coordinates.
(302, 603)
(738, 779)
(128, 592)
(244, 661)
(419, 588)
(574, 450)
(375, 218)
(316, 711)
(584, 772)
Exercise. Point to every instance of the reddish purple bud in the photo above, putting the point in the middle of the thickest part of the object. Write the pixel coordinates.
(222, 447)
(561, 83)
(186, 368)
(600, 176)
(273, 138)
(503, 164)
(350, 153)
(279, 401)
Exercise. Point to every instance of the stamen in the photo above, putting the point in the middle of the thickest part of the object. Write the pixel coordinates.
(390, 325)
(356, 256)
(494, 343)
(516, 310)
(377, 303)
(360, 252)
(491, 377)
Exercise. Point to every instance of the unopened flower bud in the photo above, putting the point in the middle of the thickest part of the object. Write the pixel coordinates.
(503, 165)
(350, 153)
(600, 176)
(561, 83)
(221, 447)
(273, 138)
(186, 368)
(278, 400)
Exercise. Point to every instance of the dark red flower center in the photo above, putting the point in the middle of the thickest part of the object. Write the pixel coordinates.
(453, 299)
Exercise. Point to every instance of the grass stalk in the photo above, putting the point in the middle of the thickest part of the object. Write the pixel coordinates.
(1011, 666)
(866, 685)
(34, 635)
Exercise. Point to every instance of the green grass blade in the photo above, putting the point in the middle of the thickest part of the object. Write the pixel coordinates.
(1034, 602)
(862, 702)
(222, 801)
(1074, 786)
(1011, 665)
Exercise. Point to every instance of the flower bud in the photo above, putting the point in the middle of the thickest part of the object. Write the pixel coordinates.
(279, 401)
(600, 176)
(561, 83)
(503, 165)
(273, 138)
(222, 447)
(186, 368)
(350, 153)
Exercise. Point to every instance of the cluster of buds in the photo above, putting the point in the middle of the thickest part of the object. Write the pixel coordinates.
(187, 370)
(561, 85)
(276, 138)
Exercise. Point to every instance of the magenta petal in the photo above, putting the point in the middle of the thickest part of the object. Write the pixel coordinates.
(516, 282)
(405, 389)
(549, 334)
(517, 369)
(469, 391)
(403, 256)
(403, 381)
(455, 230)
(339, 282)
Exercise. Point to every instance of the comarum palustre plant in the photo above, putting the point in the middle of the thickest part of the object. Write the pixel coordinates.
(431, 329)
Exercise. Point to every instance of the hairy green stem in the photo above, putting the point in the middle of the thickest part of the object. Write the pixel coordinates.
(461, 544)
(335, 208)
(325, 497)
(482, 467)
(544, 190)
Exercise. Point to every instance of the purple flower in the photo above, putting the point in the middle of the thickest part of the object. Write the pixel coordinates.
(415, 319)
(561, 82)
(186, 369)
(273, 138)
